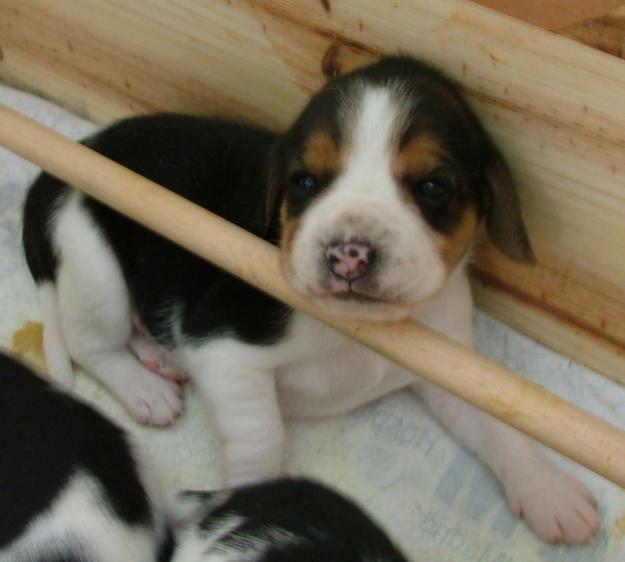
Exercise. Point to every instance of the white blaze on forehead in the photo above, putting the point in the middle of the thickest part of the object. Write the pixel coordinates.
(371, 132)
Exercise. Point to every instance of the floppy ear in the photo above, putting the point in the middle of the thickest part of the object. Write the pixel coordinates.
(504, 222)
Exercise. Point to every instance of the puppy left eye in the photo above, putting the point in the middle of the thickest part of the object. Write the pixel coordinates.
(433, 191)
(304, 181)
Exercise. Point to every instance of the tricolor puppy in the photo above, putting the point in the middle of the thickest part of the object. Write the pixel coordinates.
(73, 491)
(374, 195)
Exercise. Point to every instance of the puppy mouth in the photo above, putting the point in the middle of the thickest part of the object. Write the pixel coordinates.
(355, 296)
(346, 291)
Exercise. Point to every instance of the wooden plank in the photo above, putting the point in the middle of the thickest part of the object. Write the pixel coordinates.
(554, 106)
(578, 344)
(552, 14)
(597, 23)
(606, 33)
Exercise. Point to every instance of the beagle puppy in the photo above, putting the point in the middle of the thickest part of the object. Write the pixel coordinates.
(374, 196)
(74, 490)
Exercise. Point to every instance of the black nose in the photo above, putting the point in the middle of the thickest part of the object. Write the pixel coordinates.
(350, 260)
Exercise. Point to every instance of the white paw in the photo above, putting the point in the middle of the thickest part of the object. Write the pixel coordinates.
(556, 506)
(152, 400)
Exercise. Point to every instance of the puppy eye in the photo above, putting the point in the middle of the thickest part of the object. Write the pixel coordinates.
(433, 191)
(305, 181)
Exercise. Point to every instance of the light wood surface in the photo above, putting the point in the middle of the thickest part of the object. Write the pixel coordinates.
(555, 107)
(552, 14)
(606, 33)
(600, 24)
(500, 392)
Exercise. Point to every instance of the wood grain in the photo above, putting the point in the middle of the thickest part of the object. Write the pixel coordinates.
(597, 23)
(552, 14)
(559, 424)
(553, 105)
(606, 33)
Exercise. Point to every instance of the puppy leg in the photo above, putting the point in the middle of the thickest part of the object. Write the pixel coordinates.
(95, 319)
(238, 382)
(55, 349)
(555, 505)
(97, 334)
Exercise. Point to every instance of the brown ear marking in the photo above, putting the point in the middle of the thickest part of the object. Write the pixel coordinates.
(504, 220)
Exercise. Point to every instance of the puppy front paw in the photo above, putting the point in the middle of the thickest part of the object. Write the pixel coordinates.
(152, 400)
(556, 506)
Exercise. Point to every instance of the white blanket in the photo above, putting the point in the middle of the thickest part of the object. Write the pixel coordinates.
(435, 499)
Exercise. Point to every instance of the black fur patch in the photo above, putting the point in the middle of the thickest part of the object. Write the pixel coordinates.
(167, 547)
(298, 519)
(41, 199)
(45, 436)
(218, 165)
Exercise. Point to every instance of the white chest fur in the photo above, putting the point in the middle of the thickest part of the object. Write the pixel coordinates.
(333, 374)
(312, 371)
(336, 374)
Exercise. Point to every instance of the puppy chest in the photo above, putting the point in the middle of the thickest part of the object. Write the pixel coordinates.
(336, 382)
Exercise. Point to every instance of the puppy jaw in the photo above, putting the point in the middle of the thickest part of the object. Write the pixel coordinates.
(367, 199)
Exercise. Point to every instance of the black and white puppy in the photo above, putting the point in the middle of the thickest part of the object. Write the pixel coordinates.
(282, 520)
(72, 491)
(374, 195)
(70, 488)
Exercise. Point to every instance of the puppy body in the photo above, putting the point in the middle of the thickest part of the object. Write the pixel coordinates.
(72, 491)
(281, 520)
(374, 195)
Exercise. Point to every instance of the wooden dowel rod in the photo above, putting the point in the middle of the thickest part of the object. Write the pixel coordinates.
(541, 414)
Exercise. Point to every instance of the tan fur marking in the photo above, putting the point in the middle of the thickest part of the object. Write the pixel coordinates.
(320, 158)
(420, 156)
(455, 245)
(321, 155)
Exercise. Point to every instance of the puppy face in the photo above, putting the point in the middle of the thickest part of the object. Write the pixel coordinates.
(380, 185)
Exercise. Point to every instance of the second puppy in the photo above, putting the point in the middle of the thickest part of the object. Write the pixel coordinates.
(73, 491)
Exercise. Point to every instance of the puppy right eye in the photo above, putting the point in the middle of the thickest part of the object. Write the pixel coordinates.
(304, 182)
